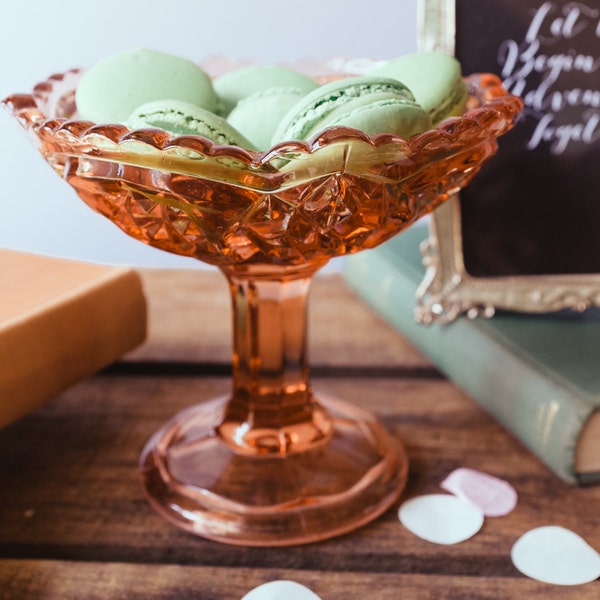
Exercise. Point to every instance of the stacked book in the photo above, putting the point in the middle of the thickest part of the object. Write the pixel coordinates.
(538, 375)
(60, 321)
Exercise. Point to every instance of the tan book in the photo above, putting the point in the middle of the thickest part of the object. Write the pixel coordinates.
(60, 321)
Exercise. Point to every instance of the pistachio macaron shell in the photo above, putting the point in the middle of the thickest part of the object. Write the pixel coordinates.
(231, 87)
(183, 118)
(355, 102)
(111, 90)
(385, 116)
(435, 80)
(258, 115)
(269, 104)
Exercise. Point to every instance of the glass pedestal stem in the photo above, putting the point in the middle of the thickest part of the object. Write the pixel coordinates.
(270, 464)
(272, 410)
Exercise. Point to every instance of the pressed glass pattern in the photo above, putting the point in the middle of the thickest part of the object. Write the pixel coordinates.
(273, 463)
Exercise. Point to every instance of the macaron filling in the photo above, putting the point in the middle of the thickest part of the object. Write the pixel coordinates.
(181, 118)
(336, 103)
(368, 118)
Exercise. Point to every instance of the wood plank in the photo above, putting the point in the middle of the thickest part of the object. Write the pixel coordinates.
(70, 491)
(74, 522)
(190, 320)
(49, 579)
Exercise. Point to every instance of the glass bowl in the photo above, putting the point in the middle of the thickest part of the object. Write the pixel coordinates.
(272, 463)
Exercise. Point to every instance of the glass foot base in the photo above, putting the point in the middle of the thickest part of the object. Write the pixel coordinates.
(196, 481)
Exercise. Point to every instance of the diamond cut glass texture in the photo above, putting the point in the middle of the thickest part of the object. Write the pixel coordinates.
(339, 193)
(272, 463)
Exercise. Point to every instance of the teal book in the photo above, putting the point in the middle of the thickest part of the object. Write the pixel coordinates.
(538, 375)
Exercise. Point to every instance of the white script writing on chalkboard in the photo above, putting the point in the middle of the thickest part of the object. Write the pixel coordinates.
(533, 67)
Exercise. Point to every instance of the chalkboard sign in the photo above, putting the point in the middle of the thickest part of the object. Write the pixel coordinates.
(533, 212)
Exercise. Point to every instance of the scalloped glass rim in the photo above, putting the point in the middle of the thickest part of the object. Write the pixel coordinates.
(46, 113)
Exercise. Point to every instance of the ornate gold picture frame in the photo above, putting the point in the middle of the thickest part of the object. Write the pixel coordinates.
(449, 288)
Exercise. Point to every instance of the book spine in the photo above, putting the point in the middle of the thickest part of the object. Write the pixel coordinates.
(542, 413)
(68, 340)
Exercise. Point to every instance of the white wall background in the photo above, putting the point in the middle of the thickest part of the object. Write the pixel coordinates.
(38, 211)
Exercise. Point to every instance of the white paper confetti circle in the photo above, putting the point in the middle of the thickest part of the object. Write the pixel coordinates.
(276, 590)
(556, 555)
(441, 518)
(493, 496)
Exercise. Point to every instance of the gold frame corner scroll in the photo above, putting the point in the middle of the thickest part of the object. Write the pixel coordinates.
(448, 290)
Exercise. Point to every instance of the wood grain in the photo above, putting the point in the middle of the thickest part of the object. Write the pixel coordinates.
(99, 581)
(74, 523)
(190, 321)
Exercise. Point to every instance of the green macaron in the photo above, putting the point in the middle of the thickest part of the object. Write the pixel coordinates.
(258, 115)
(371, 104)
(182, 118)
(111, 90)
(435, 80)
(231, 87)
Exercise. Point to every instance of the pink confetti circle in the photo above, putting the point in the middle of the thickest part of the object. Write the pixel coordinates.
(493, 496)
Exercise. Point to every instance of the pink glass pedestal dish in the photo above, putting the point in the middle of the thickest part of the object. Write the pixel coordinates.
(274, 462)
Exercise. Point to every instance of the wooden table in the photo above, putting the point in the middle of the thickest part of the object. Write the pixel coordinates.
(74, 523)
